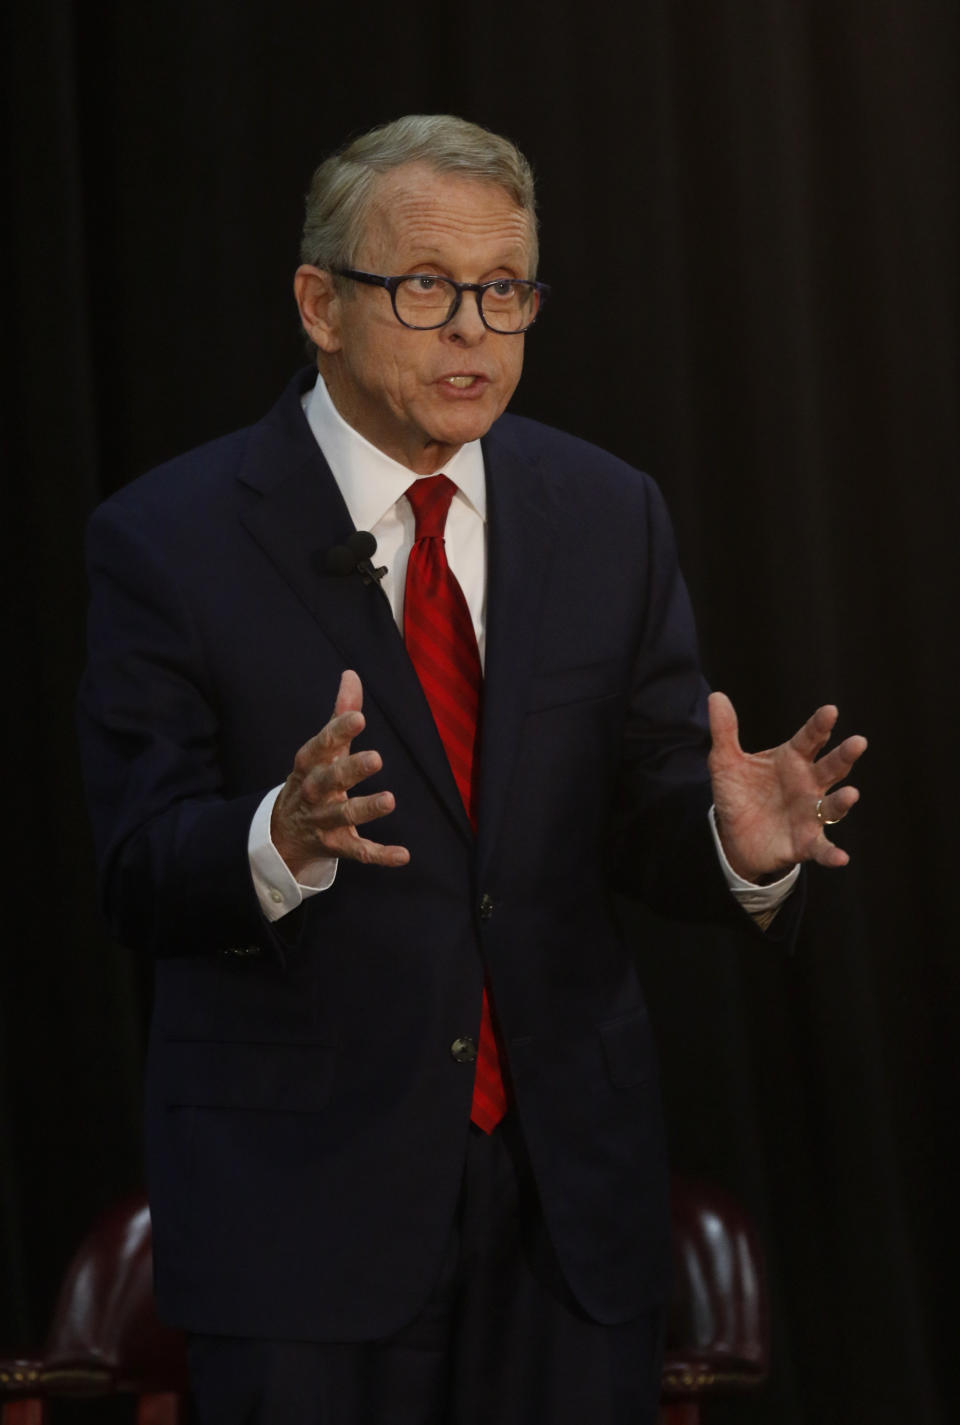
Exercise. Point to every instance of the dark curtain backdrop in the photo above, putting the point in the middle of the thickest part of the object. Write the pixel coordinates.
(749, 219)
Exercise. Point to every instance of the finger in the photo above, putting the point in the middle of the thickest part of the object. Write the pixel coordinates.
(349, 694)
(372, 853)
(352, 811)
(815, 732)
(835, 807)
(825, 853)
(345, 723)
(333, 740)
(724, 728)
(339, 776)
(836, 764)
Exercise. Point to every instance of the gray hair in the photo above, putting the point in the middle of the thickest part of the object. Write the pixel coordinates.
(342, 187)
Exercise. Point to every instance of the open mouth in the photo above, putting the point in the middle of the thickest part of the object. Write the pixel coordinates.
(461, 383)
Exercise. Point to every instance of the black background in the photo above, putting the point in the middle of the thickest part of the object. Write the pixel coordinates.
(749, 220)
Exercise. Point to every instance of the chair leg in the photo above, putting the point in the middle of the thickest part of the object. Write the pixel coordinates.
(28, 1411)
(680, 1412)
(161, 1407)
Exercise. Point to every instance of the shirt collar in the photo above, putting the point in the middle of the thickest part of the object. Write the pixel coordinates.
(370, 481)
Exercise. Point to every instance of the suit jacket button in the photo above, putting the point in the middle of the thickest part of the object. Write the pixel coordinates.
(464, 1049)
(486, 906)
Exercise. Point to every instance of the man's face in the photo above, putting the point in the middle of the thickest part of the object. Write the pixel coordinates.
(420, 395)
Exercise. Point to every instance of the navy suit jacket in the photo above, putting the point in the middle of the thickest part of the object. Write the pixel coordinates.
(307, 1121)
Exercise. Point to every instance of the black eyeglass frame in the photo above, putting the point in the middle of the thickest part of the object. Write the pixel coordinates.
(373, 279)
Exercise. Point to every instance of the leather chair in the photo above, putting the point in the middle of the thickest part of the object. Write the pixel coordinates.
(718, 1328)
(105, 1338)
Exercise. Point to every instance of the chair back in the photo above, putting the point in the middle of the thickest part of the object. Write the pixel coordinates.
(105, 1327)
(718, 1328)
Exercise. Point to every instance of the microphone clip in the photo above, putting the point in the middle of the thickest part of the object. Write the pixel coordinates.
(355, 554)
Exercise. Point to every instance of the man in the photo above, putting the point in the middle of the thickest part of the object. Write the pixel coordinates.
(405, 1153)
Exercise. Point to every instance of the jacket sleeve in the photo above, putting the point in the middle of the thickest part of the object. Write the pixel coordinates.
(662, 850)
(171, 840)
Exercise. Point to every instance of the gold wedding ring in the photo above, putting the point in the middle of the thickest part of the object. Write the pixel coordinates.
(825, 820)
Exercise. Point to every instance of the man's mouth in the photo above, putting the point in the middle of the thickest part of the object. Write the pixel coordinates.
(461, 382)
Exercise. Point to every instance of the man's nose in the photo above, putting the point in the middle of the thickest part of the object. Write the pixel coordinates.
(465, 325)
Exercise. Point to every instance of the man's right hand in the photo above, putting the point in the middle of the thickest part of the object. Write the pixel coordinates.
(313, 816)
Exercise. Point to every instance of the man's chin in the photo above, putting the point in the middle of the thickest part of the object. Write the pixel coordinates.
(466, 423)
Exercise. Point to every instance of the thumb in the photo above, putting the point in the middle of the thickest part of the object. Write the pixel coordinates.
(724, 728)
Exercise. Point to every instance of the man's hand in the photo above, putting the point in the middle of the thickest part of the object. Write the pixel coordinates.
(772, 807)
(313, 816)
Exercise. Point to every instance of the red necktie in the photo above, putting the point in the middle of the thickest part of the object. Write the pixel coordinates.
(438, 632)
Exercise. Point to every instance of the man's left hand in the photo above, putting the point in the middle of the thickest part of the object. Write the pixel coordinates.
(772, 807)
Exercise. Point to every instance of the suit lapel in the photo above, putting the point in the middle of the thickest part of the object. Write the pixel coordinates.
(522, 522)
(300, 514)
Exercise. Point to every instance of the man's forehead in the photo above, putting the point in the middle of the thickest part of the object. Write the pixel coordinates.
(414, 204)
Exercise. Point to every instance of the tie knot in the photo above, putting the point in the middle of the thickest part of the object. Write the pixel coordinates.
(430, 499)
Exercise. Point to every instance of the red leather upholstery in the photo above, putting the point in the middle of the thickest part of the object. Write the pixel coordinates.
(105, 1336)
(104, 1324)
(718, 1333)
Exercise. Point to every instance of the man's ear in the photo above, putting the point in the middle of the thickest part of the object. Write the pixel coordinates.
(319, 307)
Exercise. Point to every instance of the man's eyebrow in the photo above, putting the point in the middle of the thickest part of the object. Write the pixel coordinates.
(513, 258)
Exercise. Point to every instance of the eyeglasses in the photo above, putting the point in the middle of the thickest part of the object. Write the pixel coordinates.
(424, 301)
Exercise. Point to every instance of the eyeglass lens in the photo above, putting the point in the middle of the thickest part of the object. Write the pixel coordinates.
(428, 301)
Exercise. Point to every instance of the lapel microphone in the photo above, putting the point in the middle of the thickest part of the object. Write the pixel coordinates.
(355, 554)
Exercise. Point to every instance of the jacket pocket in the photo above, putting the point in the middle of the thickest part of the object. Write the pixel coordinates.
(587, 682)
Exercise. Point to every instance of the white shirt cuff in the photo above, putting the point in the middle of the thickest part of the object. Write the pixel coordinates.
(277, 890)
(756, 900)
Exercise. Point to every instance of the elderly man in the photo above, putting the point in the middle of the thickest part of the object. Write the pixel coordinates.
(405, 1154)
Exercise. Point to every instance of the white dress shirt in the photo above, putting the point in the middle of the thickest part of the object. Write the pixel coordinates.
(373, 487)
